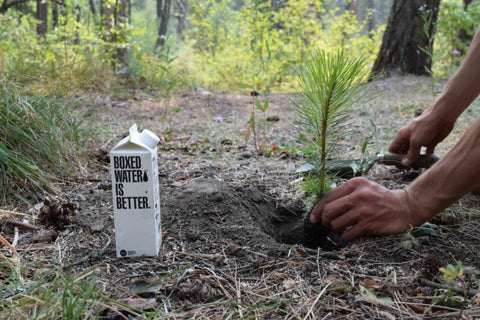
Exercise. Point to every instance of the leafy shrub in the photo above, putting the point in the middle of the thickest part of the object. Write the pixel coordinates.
(259, 43)
(449, 46)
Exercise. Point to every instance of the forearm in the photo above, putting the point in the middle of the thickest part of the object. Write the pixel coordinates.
(463, 87)
(456, 174)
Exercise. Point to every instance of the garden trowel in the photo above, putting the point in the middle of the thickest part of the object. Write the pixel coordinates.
(356, 167)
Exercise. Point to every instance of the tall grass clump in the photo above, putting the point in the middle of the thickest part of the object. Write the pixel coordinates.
(52, 294)
(329, 85)
(40, 143)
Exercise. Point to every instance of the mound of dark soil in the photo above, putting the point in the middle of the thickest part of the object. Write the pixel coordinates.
(209, 212)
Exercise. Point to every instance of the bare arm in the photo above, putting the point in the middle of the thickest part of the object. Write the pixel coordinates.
(456, 174)
(437, 121)
(361, 207)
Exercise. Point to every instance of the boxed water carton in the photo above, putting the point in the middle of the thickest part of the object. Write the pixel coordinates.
(136, 195)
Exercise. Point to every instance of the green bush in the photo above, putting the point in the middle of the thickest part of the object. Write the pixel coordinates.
(449, 47)
(260, 44)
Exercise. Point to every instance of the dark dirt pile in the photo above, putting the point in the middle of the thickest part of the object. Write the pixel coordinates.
(211, 214)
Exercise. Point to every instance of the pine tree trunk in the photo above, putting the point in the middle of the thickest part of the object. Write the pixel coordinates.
(93, 10)
(163, 11)
(121, 18)
(54, 15)
(405, 37)
(77, 35)
(42, 14)
(182, 9)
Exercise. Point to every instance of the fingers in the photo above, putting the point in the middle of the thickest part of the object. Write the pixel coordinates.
(413, 153)
(353, 233)
(345, 220)
(430, 149)
(398, 144)
(317, 213)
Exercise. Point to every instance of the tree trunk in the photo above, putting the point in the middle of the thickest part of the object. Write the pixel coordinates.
(182, 9)
(54, 15)
(42, 14)
(77, 35)
(93, 10)
(407, 37)
(106, 15)
(163, 12)
(351, 5)
(120, 19)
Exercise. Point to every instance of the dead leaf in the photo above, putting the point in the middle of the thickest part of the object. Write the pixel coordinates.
(417, 309)
(372, 284)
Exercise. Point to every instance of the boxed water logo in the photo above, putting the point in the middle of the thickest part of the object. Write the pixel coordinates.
(136, 195)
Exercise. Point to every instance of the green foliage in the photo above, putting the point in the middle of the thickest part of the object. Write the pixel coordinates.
(40, 143)
(451, 272)
(449, 47)
(260, 43)
(254, 126)
(447, 297)
(329, 85)
(68, 58)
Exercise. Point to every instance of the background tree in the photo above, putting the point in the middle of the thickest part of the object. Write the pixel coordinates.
(163, 13)
(42, 14)
(7, 4)
(407, 37)
(182, 11)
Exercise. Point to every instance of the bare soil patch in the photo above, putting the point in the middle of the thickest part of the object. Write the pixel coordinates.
(235, 243)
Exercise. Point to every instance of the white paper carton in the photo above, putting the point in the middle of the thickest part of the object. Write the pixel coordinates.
(136, 195)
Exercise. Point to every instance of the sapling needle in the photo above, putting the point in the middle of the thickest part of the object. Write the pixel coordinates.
(329, 84)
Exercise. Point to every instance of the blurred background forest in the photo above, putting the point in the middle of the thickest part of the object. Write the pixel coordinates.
(63, 52)
(66, 45)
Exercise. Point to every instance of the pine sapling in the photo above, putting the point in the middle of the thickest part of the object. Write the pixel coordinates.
(329, 84)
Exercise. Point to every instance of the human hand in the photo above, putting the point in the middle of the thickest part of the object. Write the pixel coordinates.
(361, 207)
(425, 131)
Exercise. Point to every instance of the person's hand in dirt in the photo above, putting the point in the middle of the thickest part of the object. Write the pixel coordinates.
(437, 122)
(361, 207)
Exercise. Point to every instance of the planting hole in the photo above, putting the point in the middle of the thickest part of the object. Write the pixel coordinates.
(210, 212)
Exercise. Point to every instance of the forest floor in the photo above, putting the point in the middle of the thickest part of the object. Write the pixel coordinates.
(227, 215)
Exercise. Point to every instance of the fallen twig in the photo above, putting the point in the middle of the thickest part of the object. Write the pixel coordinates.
(8, 214)
(15, 256)
(21, 224)
(15, 238)
(452, 288)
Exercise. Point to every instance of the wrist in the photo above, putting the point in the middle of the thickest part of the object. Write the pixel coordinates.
(447, 108)
(417, 211)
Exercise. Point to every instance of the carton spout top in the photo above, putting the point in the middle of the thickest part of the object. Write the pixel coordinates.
(146, 139)
(149, 138)
(133, 131)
